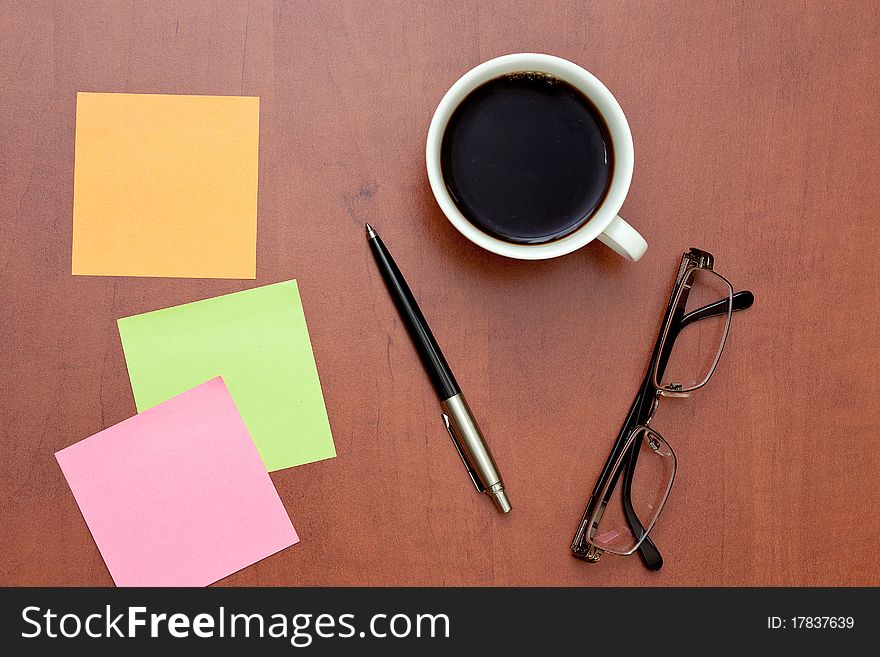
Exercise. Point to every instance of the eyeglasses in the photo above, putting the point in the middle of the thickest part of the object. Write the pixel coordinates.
(693, 334)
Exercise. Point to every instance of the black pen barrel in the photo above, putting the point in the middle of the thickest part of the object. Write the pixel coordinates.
(432, 358)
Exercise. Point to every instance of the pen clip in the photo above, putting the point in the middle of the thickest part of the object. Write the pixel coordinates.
(461, 453)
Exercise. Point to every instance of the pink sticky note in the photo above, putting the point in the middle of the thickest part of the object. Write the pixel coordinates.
(178, 495)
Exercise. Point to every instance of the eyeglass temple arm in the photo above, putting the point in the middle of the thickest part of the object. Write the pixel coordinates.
(639, 409)
(650, 554)
(607, 472)
(741, 300)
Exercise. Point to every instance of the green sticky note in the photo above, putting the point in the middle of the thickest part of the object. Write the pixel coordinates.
(257, 340)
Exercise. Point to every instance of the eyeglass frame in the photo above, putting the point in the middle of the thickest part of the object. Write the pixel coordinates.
(647, 400)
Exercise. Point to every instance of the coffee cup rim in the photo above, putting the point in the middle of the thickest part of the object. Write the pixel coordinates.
(599, 95)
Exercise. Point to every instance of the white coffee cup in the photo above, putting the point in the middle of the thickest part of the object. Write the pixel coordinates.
(604, 224)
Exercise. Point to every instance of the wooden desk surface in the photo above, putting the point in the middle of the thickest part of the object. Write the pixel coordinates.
(756, 137)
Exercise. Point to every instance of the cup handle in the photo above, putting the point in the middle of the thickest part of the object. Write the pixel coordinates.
(624, 239)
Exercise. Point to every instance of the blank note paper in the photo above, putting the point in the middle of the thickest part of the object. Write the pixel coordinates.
(178, 495)
(257, 340)
(165, 185)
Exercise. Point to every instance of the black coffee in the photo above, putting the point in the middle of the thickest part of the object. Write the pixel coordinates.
(526, 158)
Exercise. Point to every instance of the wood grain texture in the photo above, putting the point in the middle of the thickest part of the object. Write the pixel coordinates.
(755, 129)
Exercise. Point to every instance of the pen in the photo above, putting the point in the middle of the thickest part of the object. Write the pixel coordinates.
(456, 414)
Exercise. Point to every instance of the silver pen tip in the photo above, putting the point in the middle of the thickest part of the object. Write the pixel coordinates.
(370, 232)
(501, 500)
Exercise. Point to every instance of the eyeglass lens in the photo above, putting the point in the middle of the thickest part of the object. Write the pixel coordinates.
(696, 339)
(629, 510)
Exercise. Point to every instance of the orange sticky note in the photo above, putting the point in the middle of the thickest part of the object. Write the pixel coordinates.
(165, 185)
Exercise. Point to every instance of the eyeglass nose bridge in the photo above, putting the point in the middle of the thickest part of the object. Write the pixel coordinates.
(654, 404)
(673, 390)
